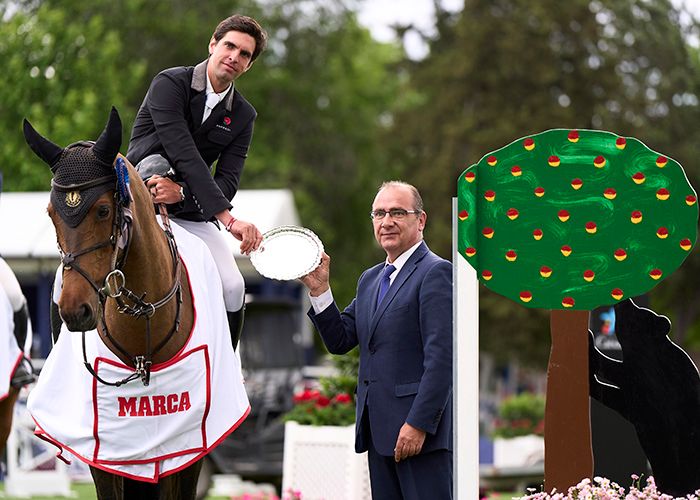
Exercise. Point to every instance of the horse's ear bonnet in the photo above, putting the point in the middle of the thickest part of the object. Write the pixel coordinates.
(82, 171)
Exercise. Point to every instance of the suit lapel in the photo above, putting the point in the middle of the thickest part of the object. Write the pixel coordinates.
(406, 271)
(198, 84)
(197, 108)
(199, 97)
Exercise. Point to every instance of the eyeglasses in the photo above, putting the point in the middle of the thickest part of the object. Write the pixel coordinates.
(395, 213)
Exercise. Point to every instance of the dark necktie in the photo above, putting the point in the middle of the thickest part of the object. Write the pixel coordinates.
(384, 284)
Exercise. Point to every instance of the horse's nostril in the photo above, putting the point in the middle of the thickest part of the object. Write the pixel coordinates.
(80, 319)
(86, 312)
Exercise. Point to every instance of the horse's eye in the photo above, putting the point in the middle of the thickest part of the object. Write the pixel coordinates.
(103, 212)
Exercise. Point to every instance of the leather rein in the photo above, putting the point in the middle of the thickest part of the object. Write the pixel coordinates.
(114, 287)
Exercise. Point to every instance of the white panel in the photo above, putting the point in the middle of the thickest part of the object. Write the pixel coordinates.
(465, 373)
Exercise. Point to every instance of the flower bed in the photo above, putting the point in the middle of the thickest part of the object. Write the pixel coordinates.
(520, 415)
(601, 488)
(331, 405)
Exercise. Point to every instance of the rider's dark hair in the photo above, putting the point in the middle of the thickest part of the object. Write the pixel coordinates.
(244, 24)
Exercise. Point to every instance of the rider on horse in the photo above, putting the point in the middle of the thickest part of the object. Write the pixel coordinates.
(190, 118)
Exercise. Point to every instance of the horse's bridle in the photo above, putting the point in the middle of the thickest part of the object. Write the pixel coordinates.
(113, 287)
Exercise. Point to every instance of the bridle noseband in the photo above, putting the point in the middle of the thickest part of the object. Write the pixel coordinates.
(114, 282)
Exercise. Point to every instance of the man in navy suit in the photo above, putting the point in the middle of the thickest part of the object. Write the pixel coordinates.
(192, 117)
(401, 318)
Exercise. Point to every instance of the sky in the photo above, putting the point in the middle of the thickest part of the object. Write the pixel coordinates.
(379, 15)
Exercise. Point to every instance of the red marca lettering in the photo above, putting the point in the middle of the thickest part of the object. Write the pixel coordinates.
(147, 406)
(127, 405)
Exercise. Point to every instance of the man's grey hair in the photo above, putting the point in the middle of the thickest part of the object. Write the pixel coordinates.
(417, 200)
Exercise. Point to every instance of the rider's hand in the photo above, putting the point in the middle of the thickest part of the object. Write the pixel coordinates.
(248, 234)
(164, 190)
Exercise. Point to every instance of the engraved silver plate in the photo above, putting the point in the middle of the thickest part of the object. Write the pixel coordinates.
(287, 253)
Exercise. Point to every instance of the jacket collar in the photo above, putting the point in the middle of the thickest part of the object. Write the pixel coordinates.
(199, 83)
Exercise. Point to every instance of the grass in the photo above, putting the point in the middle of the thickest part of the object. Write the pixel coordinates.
(81, 491)
(86, 491)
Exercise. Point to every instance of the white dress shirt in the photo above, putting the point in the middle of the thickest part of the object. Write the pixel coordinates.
(213, 98)
(324, 300)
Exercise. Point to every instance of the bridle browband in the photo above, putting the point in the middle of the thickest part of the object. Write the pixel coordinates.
(113, 283)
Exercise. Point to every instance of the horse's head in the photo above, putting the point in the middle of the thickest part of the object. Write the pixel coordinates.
(85, 213)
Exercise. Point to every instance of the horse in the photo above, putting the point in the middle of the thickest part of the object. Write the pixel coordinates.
(116, 257)
(6, 410)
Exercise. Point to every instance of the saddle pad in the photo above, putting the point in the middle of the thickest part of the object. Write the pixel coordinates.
(202, 389)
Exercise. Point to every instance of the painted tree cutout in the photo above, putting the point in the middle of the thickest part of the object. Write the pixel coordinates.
(571, 220)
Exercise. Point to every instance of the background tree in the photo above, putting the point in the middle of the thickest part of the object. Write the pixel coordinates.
(322, 92)
(500, 67)
(57, 72)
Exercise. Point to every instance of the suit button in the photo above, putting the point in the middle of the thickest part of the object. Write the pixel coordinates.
(366, 382)
(372, 351)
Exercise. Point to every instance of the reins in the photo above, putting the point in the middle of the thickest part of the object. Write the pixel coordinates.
(114, 286)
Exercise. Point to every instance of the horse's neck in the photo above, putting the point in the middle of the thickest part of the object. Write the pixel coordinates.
(149, 264)
(149, 268)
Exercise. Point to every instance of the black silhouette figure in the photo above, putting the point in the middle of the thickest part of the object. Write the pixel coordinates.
(657, 389)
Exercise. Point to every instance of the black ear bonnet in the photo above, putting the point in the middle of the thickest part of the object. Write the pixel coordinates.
(82, 171)
(72, 192)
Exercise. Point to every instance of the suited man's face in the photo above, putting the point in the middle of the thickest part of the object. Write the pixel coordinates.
(393, 235)
(229, 58)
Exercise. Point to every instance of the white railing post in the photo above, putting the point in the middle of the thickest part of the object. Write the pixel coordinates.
(32, 466)
(465, 372)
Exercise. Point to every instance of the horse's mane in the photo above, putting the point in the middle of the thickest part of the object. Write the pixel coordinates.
(138, 187)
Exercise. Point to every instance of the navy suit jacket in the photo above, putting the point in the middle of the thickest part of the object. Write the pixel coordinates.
(405, 372)
(169, 123)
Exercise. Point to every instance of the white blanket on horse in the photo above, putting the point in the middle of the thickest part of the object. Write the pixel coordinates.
(10, 354)
(192, 403)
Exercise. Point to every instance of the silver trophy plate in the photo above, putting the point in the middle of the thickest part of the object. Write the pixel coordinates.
(287, 253)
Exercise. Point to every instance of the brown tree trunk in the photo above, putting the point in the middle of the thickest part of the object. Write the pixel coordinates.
(567, 430)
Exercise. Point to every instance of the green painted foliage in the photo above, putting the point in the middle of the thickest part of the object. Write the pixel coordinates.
(575, 219)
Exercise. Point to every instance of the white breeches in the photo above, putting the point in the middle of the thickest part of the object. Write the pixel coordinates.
(9, 283)
(216, 240)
